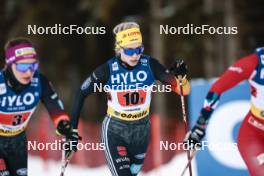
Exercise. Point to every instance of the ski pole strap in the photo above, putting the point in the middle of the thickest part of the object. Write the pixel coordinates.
(183, 86)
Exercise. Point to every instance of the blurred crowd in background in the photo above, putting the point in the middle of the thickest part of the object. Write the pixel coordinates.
(68, 59)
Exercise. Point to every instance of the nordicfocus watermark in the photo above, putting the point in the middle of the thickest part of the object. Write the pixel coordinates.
(59, 29)
(191, 29)
(138, 86)
(60, 145)
(166, 145)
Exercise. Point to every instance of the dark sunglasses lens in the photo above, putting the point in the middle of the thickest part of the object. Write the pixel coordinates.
(129, 52)
(132, 51)
(24, 67)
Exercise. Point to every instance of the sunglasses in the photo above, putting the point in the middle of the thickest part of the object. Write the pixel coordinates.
(24, 67)
(132, 51)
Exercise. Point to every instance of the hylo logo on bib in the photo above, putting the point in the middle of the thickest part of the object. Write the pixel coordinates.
(129, 77)
(14, 100)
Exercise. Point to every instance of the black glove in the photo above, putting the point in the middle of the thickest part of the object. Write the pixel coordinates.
(71, 142)
(64, 127)
(196, 134)
(179, 68)
(72, 137)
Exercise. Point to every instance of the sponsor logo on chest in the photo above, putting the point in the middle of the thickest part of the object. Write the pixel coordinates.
(262, 58)
(2, 88)
(262, 73)
(129, 77)
(17, 100)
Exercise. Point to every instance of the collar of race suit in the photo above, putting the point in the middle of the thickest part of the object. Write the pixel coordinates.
(125, 65)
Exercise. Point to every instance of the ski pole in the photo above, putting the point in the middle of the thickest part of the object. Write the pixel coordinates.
(64, 160)
(184, 119)
(189, 162)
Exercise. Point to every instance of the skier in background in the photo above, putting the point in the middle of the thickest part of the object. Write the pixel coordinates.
(251, 133)
(129, 77)
(22, 86)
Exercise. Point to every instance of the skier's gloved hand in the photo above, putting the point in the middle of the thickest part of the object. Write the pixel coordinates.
(72, 137)
(64, 127)
(196, 134)
(71, 142)
(179, 68)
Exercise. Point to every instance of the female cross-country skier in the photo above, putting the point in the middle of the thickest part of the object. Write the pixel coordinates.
(251, 133)
(22, 86)
(128, 78)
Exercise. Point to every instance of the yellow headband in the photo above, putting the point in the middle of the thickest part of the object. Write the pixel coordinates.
(128, 36)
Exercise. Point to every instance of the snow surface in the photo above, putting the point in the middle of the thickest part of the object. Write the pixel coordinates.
(52, 168)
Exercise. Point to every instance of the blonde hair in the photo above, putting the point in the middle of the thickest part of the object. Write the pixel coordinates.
(121, 27)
